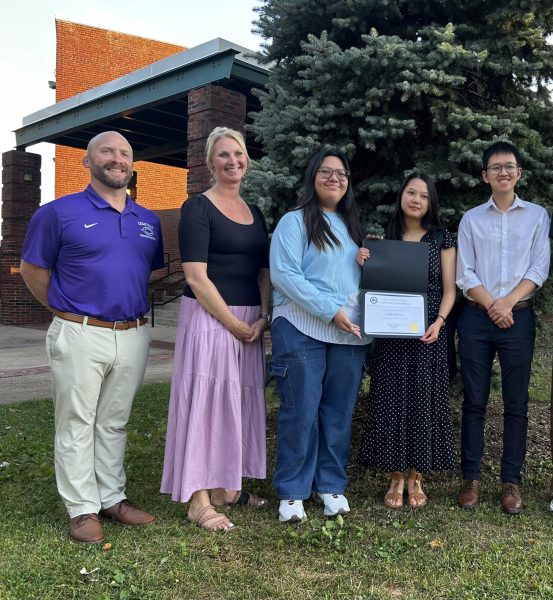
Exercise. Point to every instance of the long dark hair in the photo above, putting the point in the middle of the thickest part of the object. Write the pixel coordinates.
(396, 226)
(316, 224)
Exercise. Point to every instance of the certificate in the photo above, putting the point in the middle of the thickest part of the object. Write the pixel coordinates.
(393, 314)
(395, 279)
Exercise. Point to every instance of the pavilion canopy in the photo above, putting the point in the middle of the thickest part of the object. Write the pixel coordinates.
(149, 106)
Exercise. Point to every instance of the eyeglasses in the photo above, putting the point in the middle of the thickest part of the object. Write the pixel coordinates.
(510, 169)
(327, 173)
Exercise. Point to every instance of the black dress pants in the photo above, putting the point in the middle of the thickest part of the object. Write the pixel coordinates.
(479, 341)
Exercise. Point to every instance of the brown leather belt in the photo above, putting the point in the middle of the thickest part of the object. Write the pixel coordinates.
(522, 304)
(117, 325)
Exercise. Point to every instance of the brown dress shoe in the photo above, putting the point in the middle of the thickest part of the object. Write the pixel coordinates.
(125, 513)
(468, 496)
(86, 529)
(511, 500)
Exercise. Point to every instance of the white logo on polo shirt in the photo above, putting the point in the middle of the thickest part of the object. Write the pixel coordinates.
(148, 230)
(89, 225)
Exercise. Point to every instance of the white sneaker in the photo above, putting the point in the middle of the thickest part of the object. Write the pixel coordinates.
(335, 504)
(291, 511)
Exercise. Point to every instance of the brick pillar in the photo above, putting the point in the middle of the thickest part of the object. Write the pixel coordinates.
(209, 107)
(20, 199)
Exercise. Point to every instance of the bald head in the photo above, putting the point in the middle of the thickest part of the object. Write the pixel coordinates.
(105, 137)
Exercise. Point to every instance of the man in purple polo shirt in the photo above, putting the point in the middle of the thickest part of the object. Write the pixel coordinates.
(88, 258)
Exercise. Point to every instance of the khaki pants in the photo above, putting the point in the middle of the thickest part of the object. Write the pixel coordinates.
(96, 373)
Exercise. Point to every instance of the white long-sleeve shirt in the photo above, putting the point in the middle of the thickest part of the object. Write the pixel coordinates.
(498, 249)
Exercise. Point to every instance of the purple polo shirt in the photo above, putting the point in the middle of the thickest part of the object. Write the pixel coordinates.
(100, 260)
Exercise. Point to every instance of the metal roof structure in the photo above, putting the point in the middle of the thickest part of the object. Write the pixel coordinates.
(148, 106)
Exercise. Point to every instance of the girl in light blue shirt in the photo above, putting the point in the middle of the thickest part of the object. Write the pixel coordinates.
(318, 349)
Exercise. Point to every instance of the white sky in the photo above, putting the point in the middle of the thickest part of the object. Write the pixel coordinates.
(28, 46)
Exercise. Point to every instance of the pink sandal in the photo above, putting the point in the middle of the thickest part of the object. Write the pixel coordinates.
(210, 520)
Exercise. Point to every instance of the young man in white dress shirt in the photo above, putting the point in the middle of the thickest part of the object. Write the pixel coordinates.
(502, 258)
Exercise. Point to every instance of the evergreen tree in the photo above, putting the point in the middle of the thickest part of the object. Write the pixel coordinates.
(400, 85)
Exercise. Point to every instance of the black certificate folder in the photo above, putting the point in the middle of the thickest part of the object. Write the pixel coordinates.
(394, 283)
(396, 266)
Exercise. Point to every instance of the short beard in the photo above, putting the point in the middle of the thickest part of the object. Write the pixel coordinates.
(115, 184)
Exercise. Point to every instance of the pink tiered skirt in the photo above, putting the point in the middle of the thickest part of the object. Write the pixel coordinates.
(216, 423)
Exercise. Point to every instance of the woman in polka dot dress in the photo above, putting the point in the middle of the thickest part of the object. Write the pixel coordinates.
(408, 426)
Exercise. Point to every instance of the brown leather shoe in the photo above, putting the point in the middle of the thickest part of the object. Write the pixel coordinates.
(125, 513)
(511, 500)
(468, 496)
(86, 529)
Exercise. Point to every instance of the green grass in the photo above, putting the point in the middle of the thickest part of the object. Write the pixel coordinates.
(439, 552)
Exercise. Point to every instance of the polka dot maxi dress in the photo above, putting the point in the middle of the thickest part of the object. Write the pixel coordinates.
(408, 424)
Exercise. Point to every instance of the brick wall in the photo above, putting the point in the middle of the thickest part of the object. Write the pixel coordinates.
(87, 57)
(20, 198)
(209, 107)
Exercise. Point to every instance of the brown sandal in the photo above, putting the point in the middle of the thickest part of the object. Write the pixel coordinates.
(417, 498)
(243, 498)
(210, 520)
(394, 496)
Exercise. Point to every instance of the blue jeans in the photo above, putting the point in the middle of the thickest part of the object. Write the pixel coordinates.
(479, 340)
(318, 384)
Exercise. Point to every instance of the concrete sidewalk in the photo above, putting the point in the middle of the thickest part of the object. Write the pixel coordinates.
(24, 370)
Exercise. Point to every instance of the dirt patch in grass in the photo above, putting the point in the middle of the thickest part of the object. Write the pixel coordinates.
(538, 447)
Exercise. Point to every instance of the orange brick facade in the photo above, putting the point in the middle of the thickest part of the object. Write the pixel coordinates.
(87, 57)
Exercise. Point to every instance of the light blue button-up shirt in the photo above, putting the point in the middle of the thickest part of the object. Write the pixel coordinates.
(498, 249)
